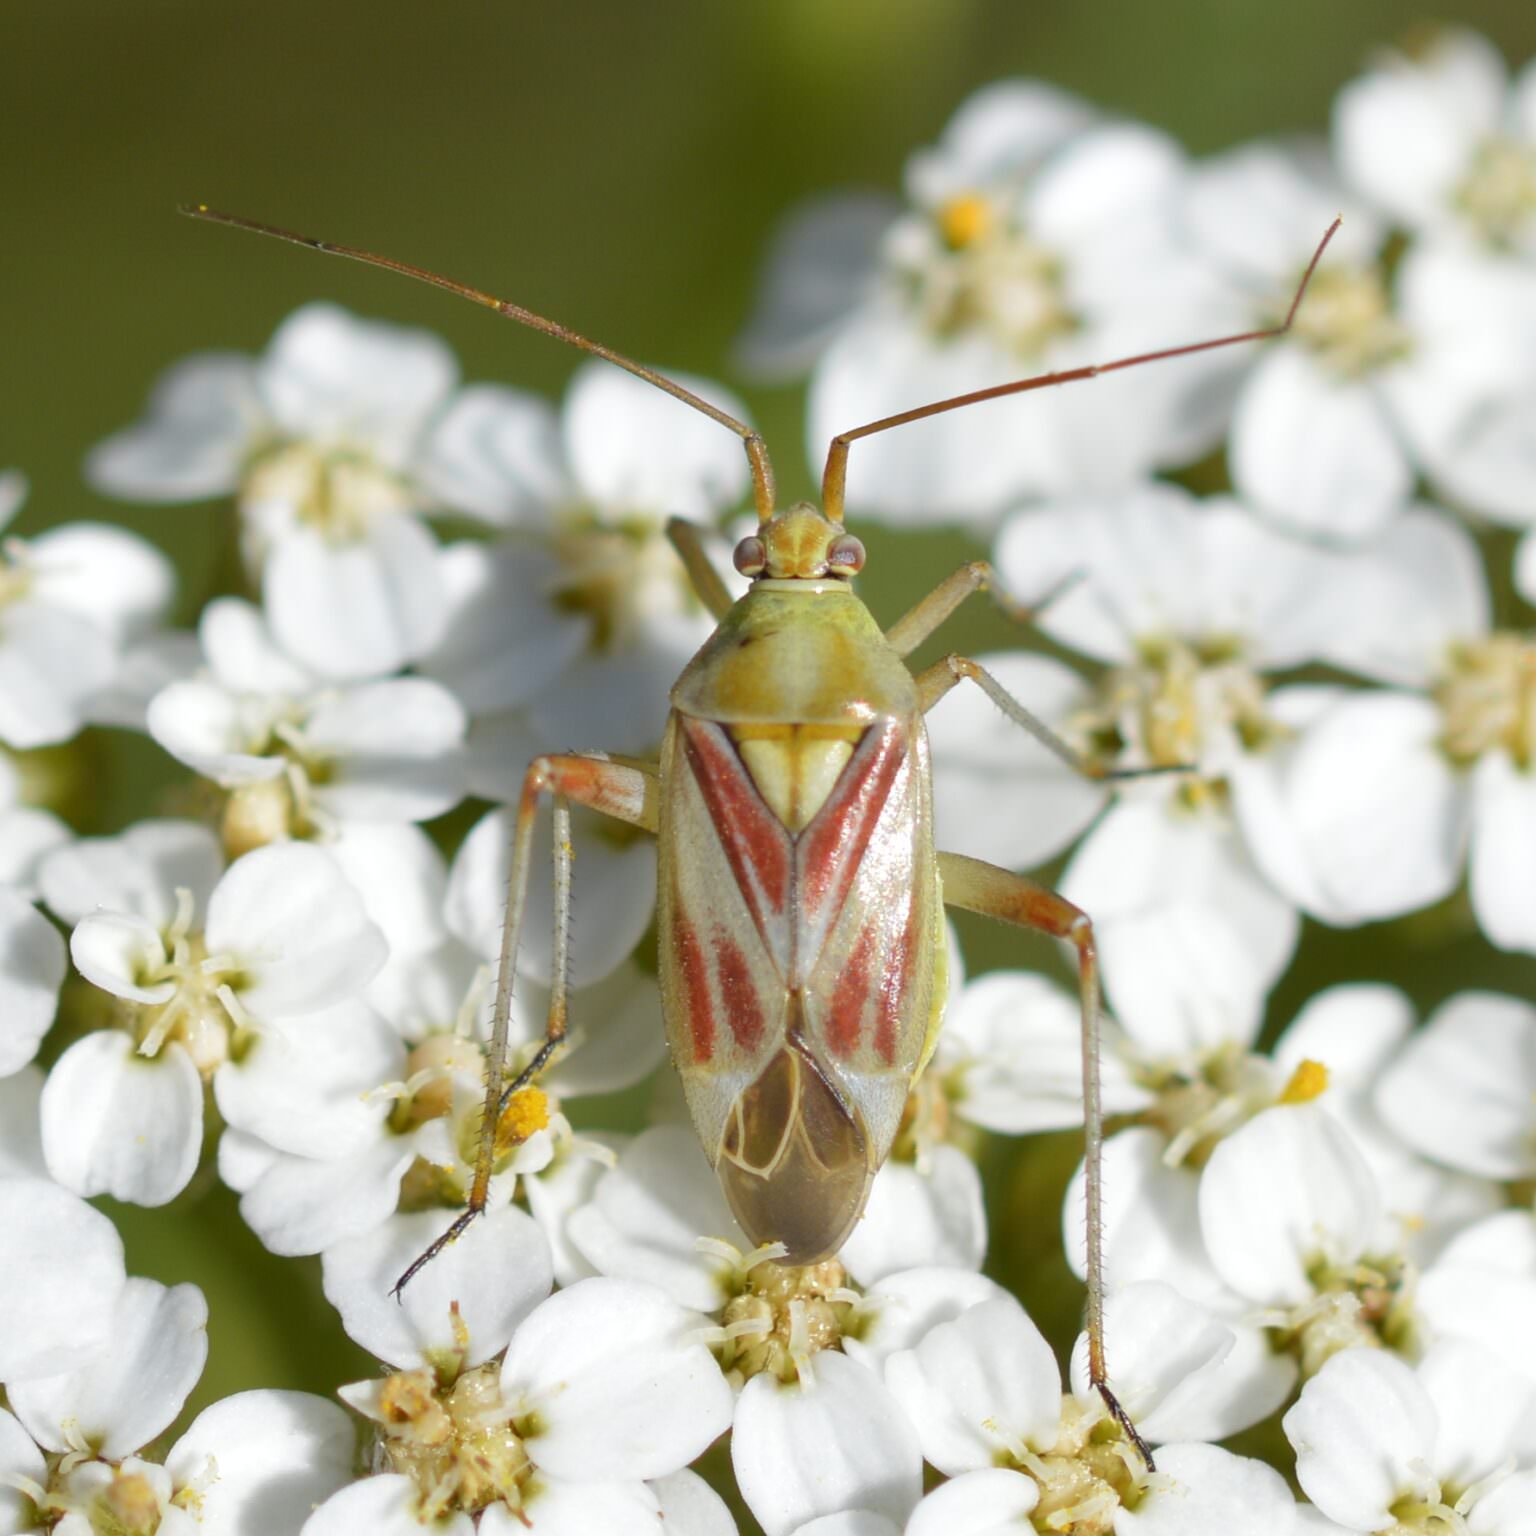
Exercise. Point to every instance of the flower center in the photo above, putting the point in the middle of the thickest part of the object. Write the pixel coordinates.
(1488, 700)
(783, 1316)
(203, 1014)
(1348, 324)
(336, 490)
(975, 268)
(1497, 196)
(456, 1443)
(1182, 703)
(1364, 1304)
(620, 575)
(1084, 1478)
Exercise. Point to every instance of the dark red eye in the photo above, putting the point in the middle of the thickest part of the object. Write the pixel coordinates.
(751, 556)
(846, 556)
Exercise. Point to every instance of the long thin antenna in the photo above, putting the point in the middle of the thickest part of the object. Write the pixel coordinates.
(757, 449)
(835, 475)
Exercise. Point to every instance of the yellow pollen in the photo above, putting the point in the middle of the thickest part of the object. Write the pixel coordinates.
(526, 1113)
(1308, 1081)
(965, 219)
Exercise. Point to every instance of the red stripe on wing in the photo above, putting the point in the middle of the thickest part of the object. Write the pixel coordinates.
(701, 1008)
(755, 840)
(895, 982)
(845, 1016)
(832, 847)
(743, 1010)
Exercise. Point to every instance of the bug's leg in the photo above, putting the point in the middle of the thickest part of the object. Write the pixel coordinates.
(978, 887)
(928, 613)
(935, 681)
(688, 540)
(625, 791)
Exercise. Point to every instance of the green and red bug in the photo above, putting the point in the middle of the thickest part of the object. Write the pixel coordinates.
(800, 895)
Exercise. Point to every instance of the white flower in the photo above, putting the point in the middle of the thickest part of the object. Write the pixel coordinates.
(71, 601)
(1336, 419)
(1036, 241)
(1381, 1446)
(570, 634)
(1442, 142)
(300, 754)
(323, 440)
(27, 831)
(284, 935)
(1390, 792)
(1189, 604)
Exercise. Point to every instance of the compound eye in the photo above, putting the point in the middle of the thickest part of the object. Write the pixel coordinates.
(751, 556)
(846, 556)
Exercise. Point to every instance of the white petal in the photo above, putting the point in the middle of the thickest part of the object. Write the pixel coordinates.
(997, 793)
(495, 453)
(1162, 1351)
(494, 1276)
(104, 574)
(1287, 1191)
(51, 664)
(298, 927)
(401, 876)
(132, 1390)
(19, 1457)
(117, 1123)
(895, 1313)
(613, 892)
(1364, 1432)
(997, 135)
(1487, 1411)
(977, 1386)
(1317, 455)
(396, 749)
(1210, 1492)
(1015, 1042)
(690, 1507)
(31, 972)
(649, 1212)
(1381, 815)
(556, 1508)
(820, 264)
(114, 952)
(328, 374)
(384, 1505)
(276, 1455)
(303, 1205)
(358, 609)
(506, 639)
(1417, 590)
(144, 667)
(1461, 1091)
(242, 654)
(1354, 1030)
(1091, 183)
(21, 1137)
(60, 1283)
(914, 1217)
(1501, 879)
(617, 1389)
(137, 873)
(213, 731)
(634, 450)
(801, 1452)
(557, 1192)
(306, 1090)
(995, 1501)
(1509, 1509)
(191, 445)
(27, 837)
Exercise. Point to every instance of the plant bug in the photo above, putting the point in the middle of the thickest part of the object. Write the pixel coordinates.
(800, 894)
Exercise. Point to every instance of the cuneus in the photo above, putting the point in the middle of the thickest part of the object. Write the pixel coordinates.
(800, 901)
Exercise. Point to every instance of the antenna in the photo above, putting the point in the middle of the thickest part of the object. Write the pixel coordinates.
(757, 449)
(835, 475)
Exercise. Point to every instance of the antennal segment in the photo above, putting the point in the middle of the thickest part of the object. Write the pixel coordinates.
(834, 477)
(757, 449)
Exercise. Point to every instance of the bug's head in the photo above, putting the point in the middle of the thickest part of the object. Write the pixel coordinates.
(800, 543)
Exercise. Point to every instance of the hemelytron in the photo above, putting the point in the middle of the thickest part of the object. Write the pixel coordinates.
(800, 894)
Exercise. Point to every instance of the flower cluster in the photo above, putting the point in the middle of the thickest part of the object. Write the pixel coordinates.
(1278, 621)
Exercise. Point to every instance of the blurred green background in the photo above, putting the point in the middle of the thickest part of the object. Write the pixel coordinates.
(616, 164)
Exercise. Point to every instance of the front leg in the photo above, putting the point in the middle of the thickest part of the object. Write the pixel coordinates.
(625, 791)
(977, 887)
